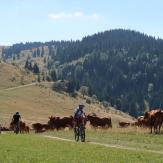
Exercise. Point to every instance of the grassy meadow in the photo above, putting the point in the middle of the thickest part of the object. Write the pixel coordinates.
(37, 149)
(132, 138)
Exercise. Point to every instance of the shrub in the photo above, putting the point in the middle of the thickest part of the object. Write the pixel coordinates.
(48, 78)
(105, 104)
(60, 86)
(94, 98)
(13, 79)
(88, 101)
(73, 94)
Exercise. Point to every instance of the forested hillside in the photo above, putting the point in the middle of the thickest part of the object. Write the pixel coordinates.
(122, 67)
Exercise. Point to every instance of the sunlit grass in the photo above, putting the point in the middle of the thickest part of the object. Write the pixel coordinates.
(35, 148)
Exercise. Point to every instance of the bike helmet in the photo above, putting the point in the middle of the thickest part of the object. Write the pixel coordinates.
(81, 105)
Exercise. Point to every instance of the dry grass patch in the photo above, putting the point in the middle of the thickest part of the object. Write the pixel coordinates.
(37, 103)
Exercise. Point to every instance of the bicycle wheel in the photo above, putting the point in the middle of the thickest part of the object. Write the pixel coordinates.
(82, 134)
(76, 133)
(16, 129)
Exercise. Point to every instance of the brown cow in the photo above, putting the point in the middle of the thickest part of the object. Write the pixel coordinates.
(38, 127)
(99, 122)
(154, 119)
(5, 129)
(134, 123)
(124, 124)
(22, 126)
(58, 123)
(141, 122)
(27, 129)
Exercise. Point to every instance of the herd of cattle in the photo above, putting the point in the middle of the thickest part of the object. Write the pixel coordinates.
(152, 119)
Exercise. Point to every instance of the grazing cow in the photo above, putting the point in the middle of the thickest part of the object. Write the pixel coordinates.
(58, 123)
(154, 119)
(22, 127)
(99, 122)
(27, 129)
(38, 127)
(5, 129)
(141, 122)
(124, 124)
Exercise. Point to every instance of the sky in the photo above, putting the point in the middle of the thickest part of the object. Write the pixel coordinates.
(46, 20)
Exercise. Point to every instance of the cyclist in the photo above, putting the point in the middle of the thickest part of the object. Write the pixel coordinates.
(16, 120)
(78, 113)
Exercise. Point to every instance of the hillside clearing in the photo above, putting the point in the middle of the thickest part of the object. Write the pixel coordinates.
(12, 76)
(37, 102)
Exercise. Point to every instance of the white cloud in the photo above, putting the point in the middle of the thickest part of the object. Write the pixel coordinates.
(74, 15)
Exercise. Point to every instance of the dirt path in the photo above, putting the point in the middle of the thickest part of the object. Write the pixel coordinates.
(23, 86)
(106, 145)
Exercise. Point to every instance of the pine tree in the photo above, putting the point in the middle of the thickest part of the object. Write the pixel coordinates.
(53, 75)
(36, 69)
(38, 52)
(26, 64)
(42, 52)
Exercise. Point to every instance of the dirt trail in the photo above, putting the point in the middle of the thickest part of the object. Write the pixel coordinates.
(21, 86)
(27, 85)
(107, 145)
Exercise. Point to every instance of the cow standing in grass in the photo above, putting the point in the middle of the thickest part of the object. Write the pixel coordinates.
(99, 122)
(154, 119)
(59, 123)
(124, 124)
(38, 127)
(23, 128)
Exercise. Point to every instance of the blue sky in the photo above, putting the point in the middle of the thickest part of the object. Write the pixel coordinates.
(45, 20)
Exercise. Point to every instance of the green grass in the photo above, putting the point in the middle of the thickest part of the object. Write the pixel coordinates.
(35, 148)
(120, 137)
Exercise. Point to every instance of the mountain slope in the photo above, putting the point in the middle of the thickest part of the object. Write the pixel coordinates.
(11, 76)
(123, 67)
(37, 102)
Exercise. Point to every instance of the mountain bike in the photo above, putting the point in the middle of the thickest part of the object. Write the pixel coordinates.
(17, 128)
(79, 133)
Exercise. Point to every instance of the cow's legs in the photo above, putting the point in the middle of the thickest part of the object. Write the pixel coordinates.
(151, 129)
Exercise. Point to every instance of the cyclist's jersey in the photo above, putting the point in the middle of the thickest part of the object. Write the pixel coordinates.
(78, 113)
(16, 118)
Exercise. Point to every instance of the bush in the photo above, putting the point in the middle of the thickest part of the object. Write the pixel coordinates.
(105, 104)
(60, 86)
(48, 78)
(88, 101)
(94, 98)
(13, 79)
(73, 94)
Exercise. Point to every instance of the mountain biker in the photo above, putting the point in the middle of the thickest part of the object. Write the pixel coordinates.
(78, 113)
(16, 119)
